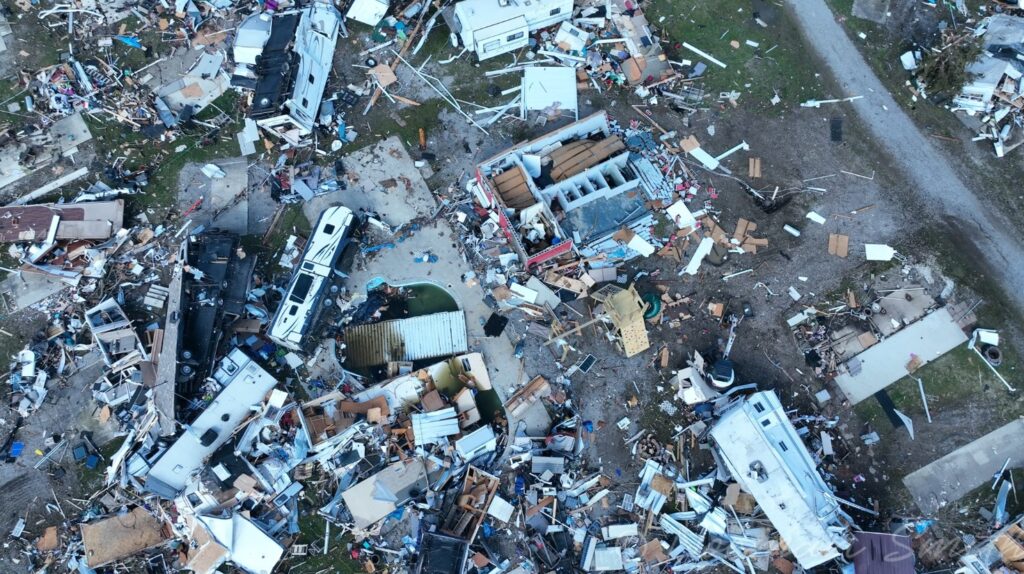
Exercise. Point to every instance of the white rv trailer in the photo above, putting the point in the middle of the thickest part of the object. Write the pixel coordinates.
(315, 40)
(300, 306)
(494, 27)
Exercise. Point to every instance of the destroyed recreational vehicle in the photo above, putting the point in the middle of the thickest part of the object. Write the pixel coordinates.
(315, 36)
(490, 28)
(243, 384)
(303, 301)
(572, 190)
(763, 452)
(215, 282)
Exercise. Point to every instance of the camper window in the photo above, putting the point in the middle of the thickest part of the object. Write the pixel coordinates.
(514, 37)
(554, 11)
(489, 46)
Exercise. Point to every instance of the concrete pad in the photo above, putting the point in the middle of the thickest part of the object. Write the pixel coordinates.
(22, 290)
(873, 10)
(228, 203)
(261, 209)
(70, 132)
(382, 178)
(10, 167)
(951, 477)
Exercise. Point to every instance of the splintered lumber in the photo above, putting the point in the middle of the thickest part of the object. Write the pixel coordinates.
(754, 167)
(394, 63)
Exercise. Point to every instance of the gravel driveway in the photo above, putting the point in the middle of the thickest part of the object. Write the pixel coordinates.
(934, 183)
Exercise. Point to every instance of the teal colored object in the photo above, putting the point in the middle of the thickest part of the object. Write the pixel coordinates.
(653, 305)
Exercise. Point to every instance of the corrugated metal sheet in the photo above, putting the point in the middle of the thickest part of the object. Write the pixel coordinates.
(426, 337)
(432, 428)
(690, 540)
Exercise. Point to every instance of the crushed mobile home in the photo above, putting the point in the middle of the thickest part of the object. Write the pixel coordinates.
(567, 192)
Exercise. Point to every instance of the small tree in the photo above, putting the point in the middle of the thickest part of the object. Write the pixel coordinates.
(944, 73)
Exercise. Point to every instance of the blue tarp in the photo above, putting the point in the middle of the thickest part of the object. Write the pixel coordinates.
(129, 41)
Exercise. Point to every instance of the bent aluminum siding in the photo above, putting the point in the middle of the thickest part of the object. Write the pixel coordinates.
(413, 339)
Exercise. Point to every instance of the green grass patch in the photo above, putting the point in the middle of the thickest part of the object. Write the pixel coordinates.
(960, 262)
(463, 77)
(128, 58)
(43, 45)
(92, 479)
(985, 497)
(312, 528)
(292, 222)
(780, 63)
(958, 386)
(952, 380)
(407, 125)
(165, 165)
(12, 91)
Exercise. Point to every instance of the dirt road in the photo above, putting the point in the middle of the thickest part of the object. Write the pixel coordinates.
(934, 182)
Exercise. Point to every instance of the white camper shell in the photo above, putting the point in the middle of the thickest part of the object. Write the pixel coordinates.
(298, 310)
(494, 27)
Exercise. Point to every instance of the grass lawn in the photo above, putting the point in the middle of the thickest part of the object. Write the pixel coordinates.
(291, 222)
(949, 381)
(160, 194)
(779, 63)
(312, 528)
(92, 479)
(463, 77)
(958, 262)
(965, 400)
(127, 57)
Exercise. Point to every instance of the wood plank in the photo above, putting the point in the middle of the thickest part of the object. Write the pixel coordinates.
(754, 167)
(838, 245)
(567, 150)
(844, 246)
(741, 229)
(513, 173)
